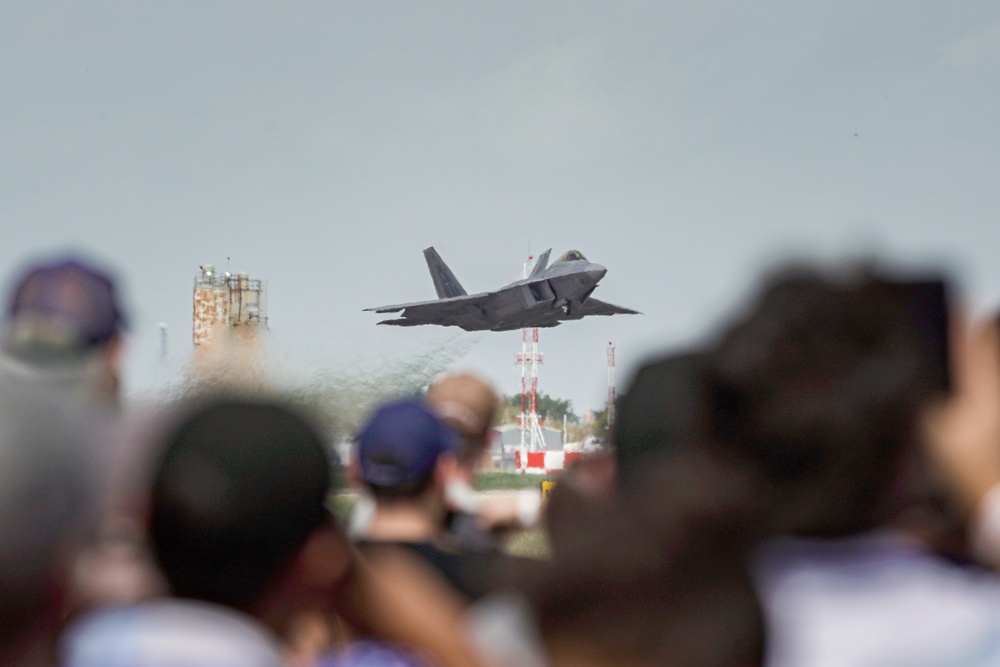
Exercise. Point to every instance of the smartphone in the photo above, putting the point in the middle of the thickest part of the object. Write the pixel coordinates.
(926, 306)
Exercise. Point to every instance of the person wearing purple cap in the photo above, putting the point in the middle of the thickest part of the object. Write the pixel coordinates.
(404, 457)
(63, 331)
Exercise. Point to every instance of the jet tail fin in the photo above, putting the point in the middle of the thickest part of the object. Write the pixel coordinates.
(541, 263)
(445, 282)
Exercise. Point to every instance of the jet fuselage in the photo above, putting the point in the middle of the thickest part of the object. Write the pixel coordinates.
(547, 297)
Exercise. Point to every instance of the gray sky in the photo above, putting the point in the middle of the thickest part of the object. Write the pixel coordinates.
(323, 145)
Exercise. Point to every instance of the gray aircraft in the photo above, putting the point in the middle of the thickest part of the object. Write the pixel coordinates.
(546, 298)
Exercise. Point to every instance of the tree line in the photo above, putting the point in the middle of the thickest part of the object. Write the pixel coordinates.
(551, 411)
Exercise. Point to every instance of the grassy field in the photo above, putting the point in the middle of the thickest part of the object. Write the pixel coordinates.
(341, 505)
(509, 481)
(530, 543)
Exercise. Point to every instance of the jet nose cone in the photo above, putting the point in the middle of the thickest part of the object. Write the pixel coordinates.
(596, 272)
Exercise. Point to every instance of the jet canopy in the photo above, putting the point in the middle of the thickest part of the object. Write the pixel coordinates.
(572, 256)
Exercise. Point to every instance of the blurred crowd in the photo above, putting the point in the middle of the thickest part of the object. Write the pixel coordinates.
(815, 483)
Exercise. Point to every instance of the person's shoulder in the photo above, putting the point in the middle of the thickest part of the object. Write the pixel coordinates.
(872, 556)
(192, 633)
(371, 654)
(470, 574)
(916, 606)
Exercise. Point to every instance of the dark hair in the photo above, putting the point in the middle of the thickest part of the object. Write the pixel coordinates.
(401, 492)
(241, 486)
(661, 411)
(658, 575)
(818, 387)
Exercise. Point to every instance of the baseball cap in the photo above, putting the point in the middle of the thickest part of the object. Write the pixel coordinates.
(400, 444)
(61, 308)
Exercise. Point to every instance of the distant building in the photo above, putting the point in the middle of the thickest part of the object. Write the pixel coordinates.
(508, 441)
(510, 436)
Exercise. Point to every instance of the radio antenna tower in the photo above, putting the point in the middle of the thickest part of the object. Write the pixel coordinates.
(163, 341)
(529, 358)
(612, 394)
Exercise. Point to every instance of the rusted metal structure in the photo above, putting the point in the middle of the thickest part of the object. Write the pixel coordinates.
(224, 302)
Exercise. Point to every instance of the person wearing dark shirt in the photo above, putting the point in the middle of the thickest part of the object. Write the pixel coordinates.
(405, 458)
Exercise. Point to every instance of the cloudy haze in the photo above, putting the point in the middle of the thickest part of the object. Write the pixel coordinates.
(322, 146)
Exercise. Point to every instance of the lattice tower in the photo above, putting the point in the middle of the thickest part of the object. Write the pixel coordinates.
(529, 358)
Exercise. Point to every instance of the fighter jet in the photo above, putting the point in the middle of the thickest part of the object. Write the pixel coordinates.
(549, 296)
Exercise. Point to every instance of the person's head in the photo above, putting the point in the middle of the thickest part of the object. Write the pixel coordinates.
(238, 508)
(468, 404)
(406, 453)
(658, 575)
(818, 386)
(661, 411)
(48, 509)
(64, 322)
(653, 569)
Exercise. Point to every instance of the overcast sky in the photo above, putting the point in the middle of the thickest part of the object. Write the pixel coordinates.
(323, 145)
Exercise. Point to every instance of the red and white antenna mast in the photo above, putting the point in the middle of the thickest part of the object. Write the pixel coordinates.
(529, 359)
(612, 394)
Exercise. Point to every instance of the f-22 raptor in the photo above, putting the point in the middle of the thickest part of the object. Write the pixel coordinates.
(549, 296)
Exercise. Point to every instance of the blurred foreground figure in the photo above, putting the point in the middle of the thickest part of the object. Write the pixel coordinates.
(240, 529)
(469, 404)
(658, 577)
(964, 436)
(660, 414)
(653, 572)
(63, 331)
(47, 508)
(63, 336)
(821, 388)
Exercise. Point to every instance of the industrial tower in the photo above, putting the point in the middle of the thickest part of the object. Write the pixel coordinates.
(226, 302)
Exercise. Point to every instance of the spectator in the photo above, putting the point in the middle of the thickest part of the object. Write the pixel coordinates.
(659, 416)
(657, 576)
(63, 335)
(64, 329)
(240, 529)
(405, 458)
(662, 411)
(469, 405)
(47, 509)
(653, 571)
(964, 436)
(820, 388)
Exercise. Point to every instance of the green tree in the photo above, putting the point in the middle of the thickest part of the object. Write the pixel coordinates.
(600, 425)
(550, 409)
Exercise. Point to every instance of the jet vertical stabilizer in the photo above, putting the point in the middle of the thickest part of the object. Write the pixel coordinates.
(445, 282)
(541, 264)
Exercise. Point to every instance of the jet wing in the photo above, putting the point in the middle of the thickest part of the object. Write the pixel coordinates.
(462, 311)
(446, 304)
(594, 306)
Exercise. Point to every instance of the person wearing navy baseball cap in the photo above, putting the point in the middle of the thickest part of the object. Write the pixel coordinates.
(62, 329)
(405, 456)
(400, 447)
